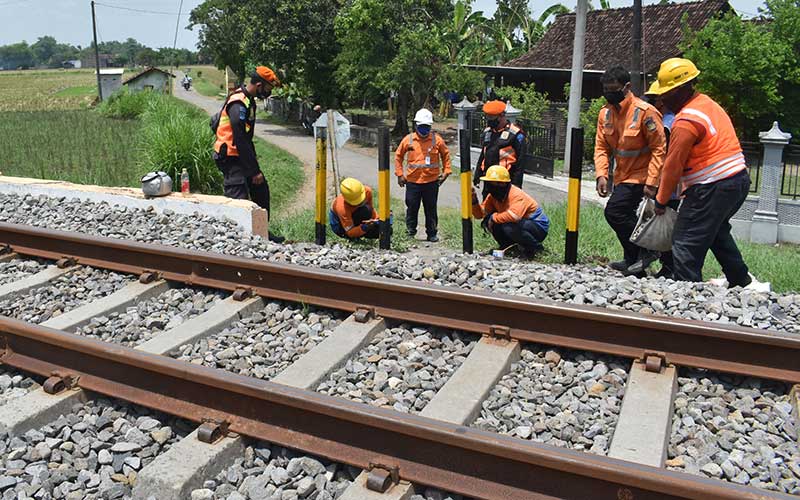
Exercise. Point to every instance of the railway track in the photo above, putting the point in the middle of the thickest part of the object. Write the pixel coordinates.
(388, 445)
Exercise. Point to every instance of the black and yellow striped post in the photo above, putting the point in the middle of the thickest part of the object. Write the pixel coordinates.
(466, 191)
(384, 195)
(574, 196)
(321, 201)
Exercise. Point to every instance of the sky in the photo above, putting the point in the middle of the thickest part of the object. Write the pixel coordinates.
(70, 21)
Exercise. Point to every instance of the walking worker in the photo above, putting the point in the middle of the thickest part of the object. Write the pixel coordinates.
(503, 143)
(428, 166)
(353, 214)
(706, 159)
(234, 151)
(630, 132)
(510, 214)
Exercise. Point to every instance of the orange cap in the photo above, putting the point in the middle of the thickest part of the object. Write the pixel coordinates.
(494, 107)
(268, 75)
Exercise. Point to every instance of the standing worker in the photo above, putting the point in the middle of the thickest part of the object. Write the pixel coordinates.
(630, 131)
(503, 143)
(706, 158)
(510, 214)
(353, 214)
(427, 154)
(234, 151)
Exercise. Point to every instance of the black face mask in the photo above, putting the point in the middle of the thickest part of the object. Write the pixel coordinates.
(493, 123)
(678, 98)
(615, 97)
(264, 94)
(499, 192)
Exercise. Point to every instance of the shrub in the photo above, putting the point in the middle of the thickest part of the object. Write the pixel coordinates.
(125, 104)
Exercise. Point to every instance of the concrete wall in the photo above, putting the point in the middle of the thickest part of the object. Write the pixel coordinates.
(110, 84)
(155, 80)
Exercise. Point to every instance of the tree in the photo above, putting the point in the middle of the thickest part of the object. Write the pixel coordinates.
(221, 23)
(43, 50)
(526, 98)
(18, 55)
(732, 55)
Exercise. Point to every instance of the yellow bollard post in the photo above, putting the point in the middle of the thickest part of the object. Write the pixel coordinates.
(321, 205)
(384, 193)
(466, 192)
(574, 196)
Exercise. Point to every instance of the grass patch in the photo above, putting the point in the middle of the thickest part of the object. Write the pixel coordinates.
(207, 80)
(79, 91)
(285, 175)
(46, 90)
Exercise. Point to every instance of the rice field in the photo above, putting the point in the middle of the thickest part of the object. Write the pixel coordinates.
(47, 90)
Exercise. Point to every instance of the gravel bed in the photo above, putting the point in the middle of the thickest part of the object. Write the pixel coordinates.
(559, 397)
(140, 323)
(736, 429)
(270, 472)
(594, 285)
(265, 343)
(17, 269)
(402, 368)
(68, 291)
(14, 384)
(94, 452)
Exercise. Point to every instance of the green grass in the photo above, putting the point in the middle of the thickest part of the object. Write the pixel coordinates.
(78, 146)
(207, 80)
(284, 172)
(78, 91)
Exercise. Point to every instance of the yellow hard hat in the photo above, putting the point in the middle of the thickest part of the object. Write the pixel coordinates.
(353, 191)
(653, 90)
(496, 173)
(675, 72)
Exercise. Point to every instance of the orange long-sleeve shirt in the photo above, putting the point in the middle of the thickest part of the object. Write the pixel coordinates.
(344, 211)
(634, 137)
(420, 171)
(517, 206)
(683, 136)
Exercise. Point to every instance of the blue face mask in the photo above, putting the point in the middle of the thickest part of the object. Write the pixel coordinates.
(423, 130)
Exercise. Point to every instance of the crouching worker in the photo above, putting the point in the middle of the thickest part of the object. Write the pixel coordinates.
(510, 214)
(353, 213)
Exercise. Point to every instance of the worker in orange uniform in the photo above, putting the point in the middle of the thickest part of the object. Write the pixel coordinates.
(629, 131)
(706, 159)
(510, 214)
(428, 164)
(353, 214)
(503, 143)
(234, 151)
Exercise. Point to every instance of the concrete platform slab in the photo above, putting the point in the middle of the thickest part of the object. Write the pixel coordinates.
(643, 429)
(36, 409)
(358, 491)
(8, 257)
(33, 281)
(174, 474)
(459, 401)
(117, 301)
(346, 340)
(210, 322)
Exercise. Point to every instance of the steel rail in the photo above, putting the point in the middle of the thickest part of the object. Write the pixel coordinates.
(456, 458)
(725, 348)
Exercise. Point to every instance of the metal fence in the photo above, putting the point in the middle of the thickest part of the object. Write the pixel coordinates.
(540, 146)
(790, 179)
(753, 156)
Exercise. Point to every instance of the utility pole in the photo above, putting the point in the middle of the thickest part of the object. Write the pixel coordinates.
(636, 59)
(576, 80)
(96, 54)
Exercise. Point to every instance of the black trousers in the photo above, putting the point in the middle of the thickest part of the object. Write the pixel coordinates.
(428, 195)
(525, 233)
(620, 214)
(704, 224)
(240, 187)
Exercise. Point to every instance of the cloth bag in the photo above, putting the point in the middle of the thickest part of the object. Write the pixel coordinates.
(654, 232)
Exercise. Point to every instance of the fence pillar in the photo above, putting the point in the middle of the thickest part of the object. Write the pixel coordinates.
(463, 109)
(765, 219)
(512, 113)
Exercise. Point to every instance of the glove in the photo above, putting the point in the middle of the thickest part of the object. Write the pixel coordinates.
(486, 221)
(367, 225)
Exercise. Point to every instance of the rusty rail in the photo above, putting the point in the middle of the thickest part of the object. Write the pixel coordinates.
(734, 349)
(459, 459)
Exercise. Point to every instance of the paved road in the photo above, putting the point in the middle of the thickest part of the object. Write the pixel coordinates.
(353, 162)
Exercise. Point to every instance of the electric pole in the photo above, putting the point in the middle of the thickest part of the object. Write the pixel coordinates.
(636, 59)
(96, 54)
(576, 80)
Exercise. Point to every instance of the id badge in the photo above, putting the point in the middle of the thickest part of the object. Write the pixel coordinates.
(428, 160)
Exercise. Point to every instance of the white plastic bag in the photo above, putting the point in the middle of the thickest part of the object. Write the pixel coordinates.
(654, 232)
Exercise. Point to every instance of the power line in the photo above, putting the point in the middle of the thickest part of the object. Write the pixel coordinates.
(177, 24)
(142, 11)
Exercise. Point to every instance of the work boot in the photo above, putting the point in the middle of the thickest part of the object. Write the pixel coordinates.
(646, 257)
(619, 265)
(433, 238)
(275, 238)
(665, 272)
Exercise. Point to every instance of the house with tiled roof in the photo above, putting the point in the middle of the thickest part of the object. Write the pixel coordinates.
(607, 43)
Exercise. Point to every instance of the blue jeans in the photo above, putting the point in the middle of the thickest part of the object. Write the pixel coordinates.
(526, 233)
(704, 224)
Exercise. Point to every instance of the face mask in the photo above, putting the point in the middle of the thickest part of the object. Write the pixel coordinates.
(615, 97)
(264, 94)
(677, 99)
(499, 192)
(423, 130)
(493, 123)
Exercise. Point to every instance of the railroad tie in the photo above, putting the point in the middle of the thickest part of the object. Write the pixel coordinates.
(36, 280)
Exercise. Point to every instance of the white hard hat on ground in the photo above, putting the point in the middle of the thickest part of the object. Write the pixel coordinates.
(424, 117)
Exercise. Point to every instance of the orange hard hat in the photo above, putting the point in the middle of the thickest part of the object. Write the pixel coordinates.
(268, 76)
(494, 108)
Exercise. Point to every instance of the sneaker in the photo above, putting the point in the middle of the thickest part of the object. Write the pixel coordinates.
(758, 286)
(275, 238)
(619, 265)
(665, 272)
(433, 239)
(718, 282)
